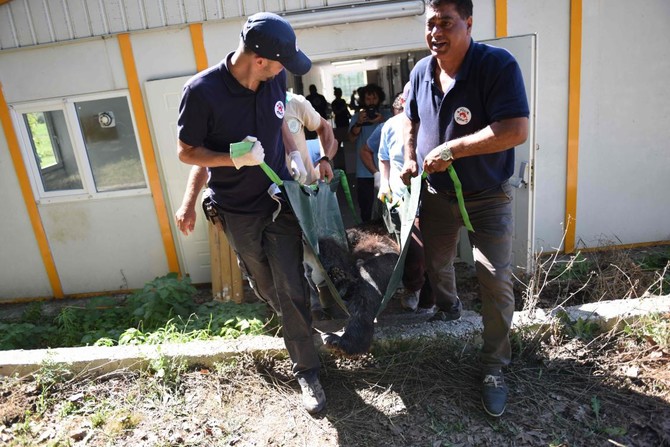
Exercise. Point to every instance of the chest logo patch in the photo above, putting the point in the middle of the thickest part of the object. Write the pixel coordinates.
(462, 115)
(294, 125)
(279, 109)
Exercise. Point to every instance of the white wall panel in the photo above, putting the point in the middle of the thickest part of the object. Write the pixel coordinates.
(233, 9)
(213, 9)
(46, 21)
(194, 12)
(337, 42)
(152, 64)
(483, 20)
(174, 12)
(22, 21)
(624, 156)
(155, 14)
(274, 5)
(135, 15)
(251, 7)
(79, 18)
(550, 20)
(116, 16)
(8, 38)
(294, 5)
(54, 71)
(97, 17)
(102, 245)
(22, 273)
(60, 20)
(221, 38)
(41, 21)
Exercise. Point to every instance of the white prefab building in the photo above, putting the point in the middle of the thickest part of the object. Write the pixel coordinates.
(89, 89)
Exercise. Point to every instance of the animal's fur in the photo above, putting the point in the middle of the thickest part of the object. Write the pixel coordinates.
(361, 276)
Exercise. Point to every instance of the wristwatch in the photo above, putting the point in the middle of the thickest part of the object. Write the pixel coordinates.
(445, 153)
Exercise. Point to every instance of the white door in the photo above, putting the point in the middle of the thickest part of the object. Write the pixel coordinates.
(163, 102)
(524, 49)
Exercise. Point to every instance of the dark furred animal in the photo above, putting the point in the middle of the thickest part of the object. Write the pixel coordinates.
(361, 276)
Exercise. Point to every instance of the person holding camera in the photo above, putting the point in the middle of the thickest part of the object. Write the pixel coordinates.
(363, 123)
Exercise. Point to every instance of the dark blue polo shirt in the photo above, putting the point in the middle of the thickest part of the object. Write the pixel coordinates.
(215, 111)
(488, 88)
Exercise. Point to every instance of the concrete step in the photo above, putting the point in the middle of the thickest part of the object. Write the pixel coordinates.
(102, 360)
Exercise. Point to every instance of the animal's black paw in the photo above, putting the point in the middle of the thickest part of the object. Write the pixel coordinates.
(333, 342)
(344, 346)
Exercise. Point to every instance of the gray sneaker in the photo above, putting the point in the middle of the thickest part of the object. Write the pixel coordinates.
(410, 301)
(494, 394)
(313, 397)
(448, 315)
(426, 310)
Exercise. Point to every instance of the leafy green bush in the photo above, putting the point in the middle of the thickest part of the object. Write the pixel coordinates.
(161, 300)
(163, 311)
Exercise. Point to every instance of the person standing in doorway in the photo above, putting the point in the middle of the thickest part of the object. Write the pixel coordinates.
(318, 101)
(467, 108)
(362, 125)
(341, 116)
(340, 110)
(242, 99)
(354, 101)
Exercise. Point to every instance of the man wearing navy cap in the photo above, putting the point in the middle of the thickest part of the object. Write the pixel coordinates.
(243, 99)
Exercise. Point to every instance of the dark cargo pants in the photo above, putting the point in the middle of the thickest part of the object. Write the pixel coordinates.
(490, 213)
(270, 254)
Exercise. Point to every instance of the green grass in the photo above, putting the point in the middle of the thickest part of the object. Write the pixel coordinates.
(163, 311)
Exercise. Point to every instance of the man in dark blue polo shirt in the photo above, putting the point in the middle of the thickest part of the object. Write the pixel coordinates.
(467, 107)
(243, 98)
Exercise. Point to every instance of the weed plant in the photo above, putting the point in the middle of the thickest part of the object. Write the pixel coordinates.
(163, 311)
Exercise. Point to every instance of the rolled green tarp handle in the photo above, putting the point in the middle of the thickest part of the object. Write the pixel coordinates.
(459, 196)
(242, 147)
(347, 194)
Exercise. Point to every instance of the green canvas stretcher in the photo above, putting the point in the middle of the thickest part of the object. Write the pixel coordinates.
(407, 210)
(318, 213)
(319, 216)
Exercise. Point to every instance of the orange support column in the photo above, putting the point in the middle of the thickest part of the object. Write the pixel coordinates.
(29, 200)
(226, 274)
(148, 151)
(501, 18)
(574, 96)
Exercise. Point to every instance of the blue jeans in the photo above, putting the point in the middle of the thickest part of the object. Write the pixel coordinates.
(270, 255)
(490, 213)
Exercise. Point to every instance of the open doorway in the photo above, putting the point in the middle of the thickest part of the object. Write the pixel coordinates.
(389, 71)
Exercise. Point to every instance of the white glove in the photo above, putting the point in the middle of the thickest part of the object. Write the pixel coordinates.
(298, 171)
(384, 193)
(377, 176)
(253, 157)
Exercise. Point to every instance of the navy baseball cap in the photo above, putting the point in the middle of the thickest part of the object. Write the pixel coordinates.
(271, 37)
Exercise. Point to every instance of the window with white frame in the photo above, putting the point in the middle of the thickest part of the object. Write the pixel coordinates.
(81, 146)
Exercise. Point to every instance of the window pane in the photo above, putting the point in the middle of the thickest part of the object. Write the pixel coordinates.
(111, 146)
(53, 150)
(349, 82)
